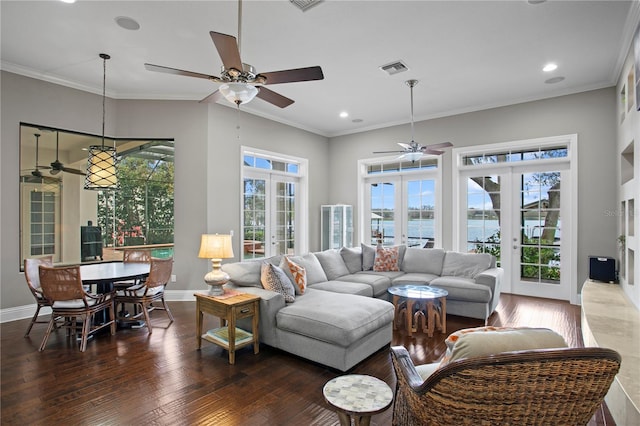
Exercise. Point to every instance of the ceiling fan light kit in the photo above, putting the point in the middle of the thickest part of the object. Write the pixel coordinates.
(238, 93)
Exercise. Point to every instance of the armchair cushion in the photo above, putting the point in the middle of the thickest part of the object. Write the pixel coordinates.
(482, 341)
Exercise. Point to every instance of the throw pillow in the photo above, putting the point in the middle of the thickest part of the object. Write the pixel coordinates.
(298, 273)
(352, 257)
(368, 256)
(332, 264)
(386, 259)
(273, 278)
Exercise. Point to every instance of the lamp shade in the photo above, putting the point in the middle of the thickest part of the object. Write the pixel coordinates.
(216, 246)
(238, 93)
(101, 168)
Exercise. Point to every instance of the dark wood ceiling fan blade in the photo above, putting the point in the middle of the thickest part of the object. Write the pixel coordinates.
(176, 71)
(294, 75)
(227, 47)
(438, 145)
(273, 97)
(73, 171)
(214, 97)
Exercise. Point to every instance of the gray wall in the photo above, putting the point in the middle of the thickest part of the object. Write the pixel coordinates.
(589, 114)
(207, 179)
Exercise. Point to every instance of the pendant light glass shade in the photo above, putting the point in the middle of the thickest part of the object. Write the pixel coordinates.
(101, 169)
(101, 165)
(238, 93)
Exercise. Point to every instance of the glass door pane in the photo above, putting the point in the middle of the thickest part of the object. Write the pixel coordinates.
(420, 213)
(483, 215)
(383, 213)
(254, 218)
(540, 222)
(283, 233)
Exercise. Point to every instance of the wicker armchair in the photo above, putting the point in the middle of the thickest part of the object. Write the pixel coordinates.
(562, 386)
(132, 256)
(32, 277)
(62, 287)
(144, 294)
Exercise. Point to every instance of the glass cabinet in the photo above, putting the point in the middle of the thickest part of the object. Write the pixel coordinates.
(336, 227)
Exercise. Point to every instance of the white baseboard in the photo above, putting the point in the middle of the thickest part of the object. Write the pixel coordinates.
(26, 311)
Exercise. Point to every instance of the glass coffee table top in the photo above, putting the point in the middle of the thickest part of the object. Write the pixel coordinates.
(417, 291)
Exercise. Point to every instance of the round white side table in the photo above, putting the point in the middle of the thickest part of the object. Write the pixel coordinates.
(357, 397)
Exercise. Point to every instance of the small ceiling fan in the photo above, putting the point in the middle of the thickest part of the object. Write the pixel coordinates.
(240, 81)
(413, 150)
(57, 166)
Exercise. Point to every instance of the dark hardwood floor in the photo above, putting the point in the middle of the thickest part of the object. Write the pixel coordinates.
(135, 379)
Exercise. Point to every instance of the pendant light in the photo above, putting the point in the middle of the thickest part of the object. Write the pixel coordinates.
(101, 166)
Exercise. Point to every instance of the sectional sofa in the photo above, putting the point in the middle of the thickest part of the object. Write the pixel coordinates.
(344, 314)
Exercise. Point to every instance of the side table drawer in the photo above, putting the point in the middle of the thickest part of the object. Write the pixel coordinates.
(244, 311)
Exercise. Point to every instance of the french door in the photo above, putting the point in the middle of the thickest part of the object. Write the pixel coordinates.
(270, 210)
(521, 214)
(401, 209)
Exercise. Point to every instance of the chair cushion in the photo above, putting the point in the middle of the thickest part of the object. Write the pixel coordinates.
(483, 341)
(332, 263)
(140, 291)
(74, 304)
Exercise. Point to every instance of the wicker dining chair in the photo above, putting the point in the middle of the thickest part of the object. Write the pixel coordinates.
(32, 277)
(149, 291)
(563, 386)
(62, 287)
(131, 256)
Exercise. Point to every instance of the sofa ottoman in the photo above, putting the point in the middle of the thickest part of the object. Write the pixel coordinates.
(335, 331)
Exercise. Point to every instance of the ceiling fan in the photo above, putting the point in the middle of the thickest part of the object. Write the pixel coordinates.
(240, 81)
(36, 171)
(413, 150)
(57, 166)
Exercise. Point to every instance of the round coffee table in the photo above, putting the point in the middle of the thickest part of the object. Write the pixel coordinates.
(429, 303)
(357, 396)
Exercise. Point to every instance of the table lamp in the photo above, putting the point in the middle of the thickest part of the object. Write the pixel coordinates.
(216, 247)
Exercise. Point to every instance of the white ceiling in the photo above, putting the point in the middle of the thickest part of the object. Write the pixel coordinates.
(467, 55)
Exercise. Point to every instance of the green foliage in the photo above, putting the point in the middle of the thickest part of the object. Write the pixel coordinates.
(142, 210)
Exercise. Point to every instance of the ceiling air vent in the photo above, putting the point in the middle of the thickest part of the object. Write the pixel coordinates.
(305, 5)
(394, 67)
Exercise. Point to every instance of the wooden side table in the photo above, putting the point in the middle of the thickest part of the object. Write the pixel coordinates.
(229, 310)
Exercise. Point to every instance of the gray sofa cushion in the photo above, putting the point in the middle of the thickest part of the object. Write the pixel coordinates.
(245, 274)
(352, 257)
(332, 264)
(465, 264)
(315, 273)
(378, 283)
(427, 261)
(360, 289)
(461, 288)
(368, 256)
(338, 320)
(414, 278)
(390, 275)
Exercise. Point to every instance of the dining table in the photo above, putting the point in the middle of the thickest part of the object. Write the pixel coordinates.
(103, 275)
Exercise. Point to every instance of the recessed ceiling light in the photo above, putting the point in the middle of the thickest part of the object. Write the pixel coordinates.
(550, 67)
(344, 114)
(127, 23)
(554, 80)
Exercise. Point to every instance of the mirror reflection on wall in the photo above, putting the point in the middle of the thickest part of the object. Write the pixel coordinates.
(58, 217)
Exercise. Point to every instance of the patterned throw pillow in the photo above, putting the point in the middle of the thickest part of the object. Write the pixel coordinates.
(299, 276)
(274, 279)
(386, 259)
